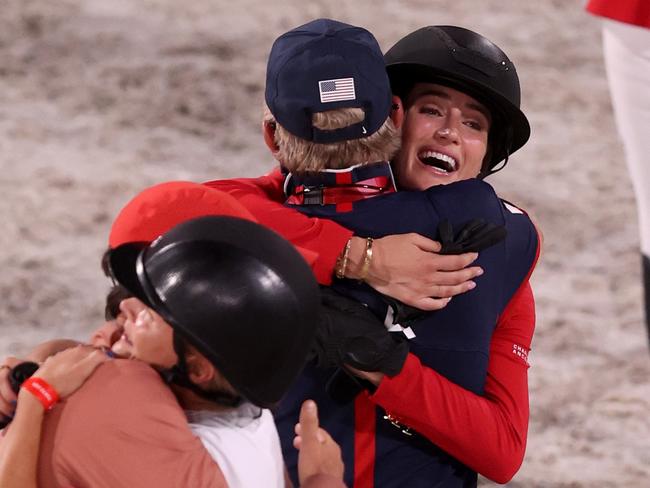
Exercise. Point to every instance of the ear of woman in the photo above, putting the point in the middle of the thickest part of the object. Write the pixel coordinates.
(200, 370)
(397, 112)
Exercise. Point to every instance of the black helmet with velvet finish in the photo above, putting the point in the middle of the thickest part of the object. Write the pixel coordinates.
(466, 61)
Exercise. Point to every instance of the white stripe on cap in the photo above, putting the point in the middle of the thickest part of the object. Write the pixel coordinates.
(336, 90)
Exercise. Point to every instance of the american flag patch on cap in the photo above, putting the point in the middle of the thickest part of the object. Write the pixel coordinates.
(336, 90)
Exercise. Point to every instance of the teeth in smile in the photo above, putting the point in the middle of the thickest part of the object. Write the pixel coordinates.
(451, 162)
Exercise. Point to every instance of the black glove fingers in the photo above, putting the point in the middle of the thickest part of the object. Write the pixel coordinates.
(472, 227)
(358, 339)
(488, 239)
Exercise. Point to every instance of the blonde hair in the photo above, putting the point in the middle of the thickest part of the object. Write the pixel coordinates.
(300, 156)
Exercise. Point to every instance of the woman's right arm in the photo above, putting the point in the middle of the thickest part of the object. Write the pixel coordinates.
(64, 372)
(487, 433)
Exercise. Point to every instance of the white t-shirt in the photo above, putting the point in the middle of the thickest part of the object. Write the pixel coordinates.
(245, 444)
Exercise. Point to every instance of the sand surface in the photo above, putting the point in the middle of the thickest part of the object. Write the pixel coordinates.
(100, 98)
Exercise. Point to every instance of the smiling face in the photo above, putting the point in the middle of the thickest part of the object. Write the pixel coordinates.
(444, 137)
(146, 335)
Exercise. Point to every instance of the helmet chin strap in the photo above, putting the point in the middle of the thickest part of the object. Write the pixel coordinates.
(178, 375)
(485, 172)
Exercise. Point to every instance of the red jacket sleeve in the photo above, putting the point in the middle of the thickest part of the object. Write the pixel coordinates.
(487, 433)
(634, 12)
(263, 197)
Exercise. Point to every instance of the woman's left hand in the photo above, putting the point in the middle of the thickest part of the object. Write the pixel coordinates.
(68, 370)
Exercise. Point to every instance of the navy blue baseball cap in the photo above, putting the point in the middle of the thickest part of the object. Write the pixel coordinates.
(326, 65)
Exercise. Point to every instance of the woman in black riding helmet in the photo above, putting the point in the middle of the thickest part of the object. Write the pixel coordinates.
(436, 71)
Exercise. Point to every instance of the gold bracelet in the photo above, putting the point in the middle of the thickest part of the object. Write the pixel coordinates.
(365, 267)
(342, 262)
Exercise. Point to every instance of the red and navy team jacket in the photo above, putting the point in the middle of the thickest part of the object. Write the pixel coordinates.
(454, 341)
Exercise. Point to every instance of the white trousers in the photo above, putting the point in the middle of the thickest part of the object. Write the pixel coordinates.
(627, 59)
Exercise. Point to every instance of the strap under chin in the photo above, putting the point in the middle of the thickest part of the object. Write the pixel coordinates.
(178, 376)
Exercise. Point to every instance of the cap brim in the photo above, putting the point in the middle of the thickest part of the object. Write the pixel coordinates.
(157, 209)
(123, 262)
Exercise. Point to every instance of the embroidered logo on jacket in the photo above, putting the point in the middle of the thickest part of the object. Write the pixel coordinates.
(521, 352)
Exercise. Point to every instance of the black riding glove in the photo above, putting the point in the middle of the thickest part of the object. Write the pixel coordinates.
(475, 236)
(350, 334)
(403, 314)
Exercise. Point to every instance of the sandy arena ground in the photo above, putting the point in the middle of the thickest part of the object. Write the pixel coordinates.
(100, 98)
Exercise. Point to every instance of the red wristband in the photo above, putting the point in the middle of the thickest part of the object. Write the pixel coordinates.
(42, 390)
